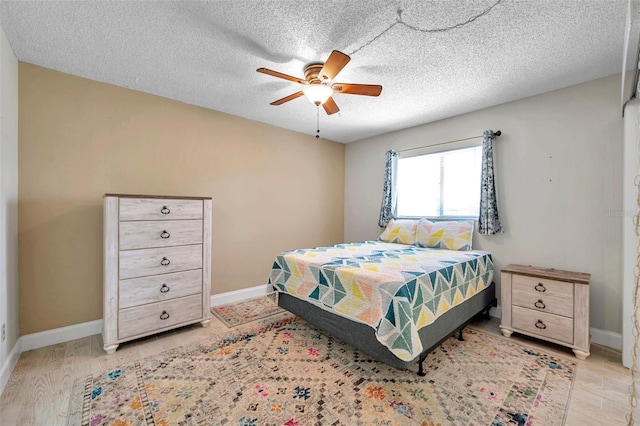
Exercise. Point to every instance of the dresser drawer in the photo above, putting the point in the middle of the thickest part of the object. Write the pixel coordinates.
(159, 209)
(155, 316)
(149, 234)
(140, 291)
(542, 324)
(141, 263)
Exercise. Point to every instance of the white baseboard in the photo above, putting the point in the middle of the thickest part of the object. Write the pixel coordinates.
(606, 338)
(72, 332)
(9, 364)
(60, 335)
(78, 331)
(599, 337)
(238, 295)
(496, 312)
(46, 338)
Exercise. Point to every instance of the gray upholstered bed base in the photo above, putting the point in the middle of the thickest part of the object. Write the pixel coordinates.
(362, 336)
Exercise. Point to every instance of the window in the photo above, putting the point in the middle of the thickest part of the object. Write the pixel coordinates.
(443, 184)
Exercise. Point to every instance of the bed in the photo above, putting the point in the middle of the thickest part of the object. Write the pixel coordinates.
(393, 301)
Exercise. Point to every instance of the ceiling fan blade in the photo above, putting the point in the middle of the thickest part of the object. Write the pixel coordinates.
(287, 98)
(337, 60)
(357, 89)
(281, 75)
(330, 106)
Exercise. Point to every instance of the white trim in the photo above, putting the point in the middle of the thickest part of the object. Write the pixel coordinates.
(60, 335)
(599, 337)
(496, 312)
(628, 237)
(440, 147)
(606, 338)
(238, 295)
(72, 332)
(78, 331)
(9, 365)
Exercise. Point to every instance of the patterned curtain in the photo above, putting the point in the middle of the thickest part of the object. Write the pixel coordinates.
(489, 218)
(389, 189)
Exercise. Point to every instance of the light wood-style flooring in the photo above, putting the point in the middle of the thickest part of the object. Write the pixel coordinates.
(38, 390)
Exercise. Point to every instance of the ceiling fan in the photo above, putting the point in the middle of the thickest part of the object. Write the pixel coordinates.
(317, 82)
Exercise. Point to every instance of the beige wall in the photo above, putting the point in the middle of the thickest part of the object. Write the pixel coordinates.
(559, 184)
(272, 189)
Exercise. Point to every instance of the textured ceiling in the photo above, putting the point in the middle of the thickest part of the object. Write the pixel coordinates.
(206, 52)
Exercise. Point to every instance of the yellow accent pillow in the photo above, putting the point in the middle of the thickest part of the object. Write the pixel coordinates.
(402, 231)
(451, 235)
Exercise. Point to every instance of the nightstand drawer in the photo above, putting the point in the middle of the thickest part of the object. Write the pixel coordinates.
(166, 233)
(545, 325)
(159, 209)
(140, 291)
(558, 304)
(542, 286)
(157, 316)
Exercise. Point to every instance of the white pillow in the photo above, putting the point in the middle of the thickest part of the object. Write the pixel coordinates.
(451, 235)
(402, 231)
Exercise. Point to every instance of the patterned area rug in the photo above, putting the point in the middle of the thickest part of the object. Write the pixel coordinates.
(246, 311)
(284, 372)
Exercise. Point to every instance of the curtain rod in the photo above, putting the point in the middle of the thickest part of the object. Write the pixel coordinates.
(497, 133)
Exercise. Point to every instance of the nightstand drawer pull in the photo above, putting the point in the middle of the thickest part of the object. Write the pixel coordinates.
(164, 315)
(540, 304)
(540, 325)
(165, 210)
(540, 287)
(165, 261)
(165, 235)
(165, 288)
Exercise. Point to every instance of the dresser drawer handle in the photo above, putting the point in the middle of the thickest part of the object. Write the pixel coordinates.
(540, 325)
(165, 261)
(164, 315)
(165, 235)
(540, 304)
(165, 288)
(165, 210)
(540, 287)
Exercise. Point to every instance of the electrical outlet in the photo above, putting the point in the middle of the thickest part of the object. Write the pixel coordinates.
(4, 332)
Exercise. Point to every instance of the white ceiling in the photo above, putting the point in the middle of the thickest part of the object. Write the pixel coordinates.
(206, 52)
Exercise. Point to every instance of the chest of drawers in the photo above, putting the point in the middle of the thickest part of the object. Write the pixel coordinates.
(157, 265)
(549, 304)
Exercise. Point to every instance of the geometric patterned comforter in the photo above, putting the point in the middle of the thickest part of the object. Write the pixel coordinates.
(396, 289)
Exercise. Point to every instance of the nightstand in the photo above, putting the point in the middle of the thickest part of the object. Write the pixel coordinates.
(549, 304)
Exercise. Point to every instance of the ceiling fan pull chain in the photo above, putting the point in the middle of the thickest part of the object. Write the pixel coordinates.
(318, 121)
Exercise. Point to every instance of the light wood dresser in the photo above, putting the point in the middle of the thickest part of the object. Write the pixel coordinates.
(157, 265)
(549, 304)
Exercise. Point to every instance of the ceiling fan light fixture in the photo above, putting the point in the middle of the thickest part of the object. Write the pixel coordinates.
(318, 93)
(318, 86)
